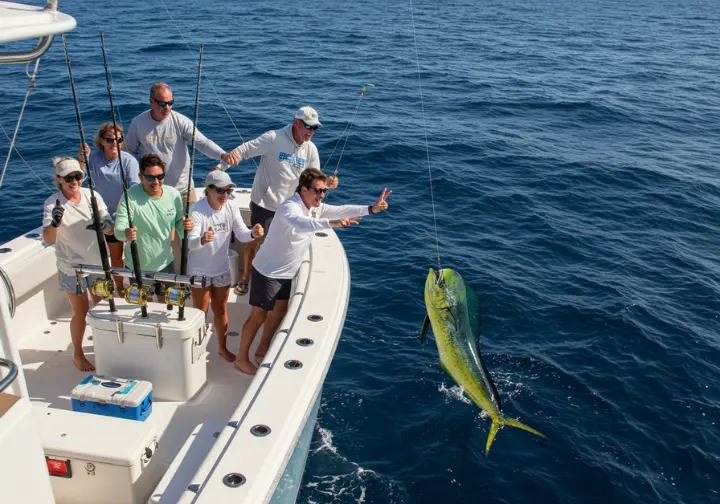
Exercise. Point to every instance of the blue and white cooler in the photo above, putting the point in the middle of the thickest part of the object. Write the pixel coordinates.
(116, 397)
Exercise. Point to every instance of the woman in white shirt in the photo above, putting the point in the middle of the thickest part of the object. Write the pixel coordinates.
(66, 219)
(214, 218)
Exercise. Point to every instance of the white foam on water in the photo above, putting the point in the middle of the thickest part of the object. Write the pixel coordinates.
(455, 392)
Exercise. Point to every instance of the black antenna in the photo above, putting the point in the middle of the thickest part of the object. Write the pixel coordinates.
(133, 244)
(93, 201)
(184, 248)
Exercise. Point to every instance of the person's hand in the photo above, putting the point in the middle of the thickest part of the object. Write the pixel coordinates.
(187, 223)
(107, 227)
(86, 150)
(332, 182)
(381, 203)
(257, 231)
(57, 214)
(130, 234)
(232, 158)
(345, 222)
(207, 236)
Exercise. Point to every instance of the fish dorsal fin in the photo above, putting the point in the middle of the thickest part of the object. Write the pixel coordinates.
(424, 330)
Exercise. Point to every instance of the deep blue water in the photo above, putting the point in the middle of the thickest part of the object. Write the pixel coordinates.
(574, 148)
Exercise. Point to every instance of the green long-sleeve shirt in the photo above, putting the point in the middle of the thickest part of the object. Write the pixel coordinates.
(153, 218)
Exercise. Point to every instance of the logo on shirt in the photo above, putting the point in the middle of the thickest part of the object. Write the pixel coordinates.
(159, 138)
(294, 161)
(221, 227)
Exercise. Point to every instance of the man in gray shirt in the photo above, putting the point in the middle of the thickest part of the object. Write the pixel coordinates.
(167, 133)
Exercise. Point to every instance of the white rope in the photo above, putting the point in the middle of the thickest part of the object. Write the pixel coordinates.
(26, 163)
(427, 150)
(22, 111)
(206, 77)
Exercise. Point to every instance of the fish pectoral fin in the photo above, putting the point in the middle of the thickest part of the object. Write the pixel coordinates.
(424, 330)
(519, 425)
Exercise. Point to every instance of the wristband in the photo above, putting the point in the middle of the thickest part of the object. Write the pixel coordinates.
(370, 210)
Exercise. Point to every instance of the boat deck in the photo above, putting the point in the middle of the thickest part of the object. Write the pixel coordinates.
(51, 376)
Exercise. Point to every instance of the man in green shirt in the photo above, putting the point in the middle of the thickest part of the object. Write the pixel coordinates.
(156, 211)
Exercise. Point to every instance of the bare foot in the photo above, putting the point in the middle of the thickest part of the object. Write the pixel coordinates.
(226, 354)
(82, 363)
(245, 367)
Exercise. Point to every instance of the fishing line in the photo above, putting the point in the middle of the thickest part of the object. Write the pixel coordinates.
(26, 163)
(427, 149)
(348, 128)
(22, 111)
(206, 77)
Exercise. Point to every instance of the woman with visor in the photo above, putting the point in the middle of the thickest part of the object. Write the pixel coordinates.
(105, 167)
(214, 218)
(67, 222)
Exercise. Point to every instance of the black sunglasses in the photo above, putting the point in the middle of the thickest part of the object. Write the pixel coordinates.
(73, 176)
(319, 190)
(220, 190)
(308, 127)
(164, 103)
(151, 178)
(112, 140)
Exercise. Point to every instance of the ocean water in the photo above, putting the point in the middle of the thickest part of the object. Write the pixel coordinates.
(574, 149)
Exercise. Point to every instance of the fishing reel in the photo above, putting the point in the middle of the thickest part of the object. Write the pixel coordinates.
(102, 287)
(139, 295)
(176, 295)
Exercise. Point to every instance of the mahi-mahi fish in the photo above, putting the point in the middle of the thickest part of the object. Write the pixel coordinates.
(452, 309)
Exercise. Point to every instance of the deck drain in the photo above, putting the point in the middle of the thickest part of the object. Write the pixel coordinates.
(216, 434)
(321, 234)
(315, 318)
(293, 364)
(260, 430)
(32, 235)
(233, 333)
(194, 488)
(5, 250)
(53, 322)
(234, 480)
(46, 332)
(304, 342)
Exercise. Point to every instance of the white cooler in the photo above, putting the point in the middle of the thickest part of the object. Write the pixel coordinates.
(169, 353)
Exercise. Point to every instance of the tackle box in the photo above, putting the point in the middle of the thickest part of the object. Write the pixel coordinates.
(115, 397)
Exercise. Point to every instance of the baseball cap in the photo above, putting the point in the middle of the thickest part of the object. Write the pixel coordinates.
(308, 115)
(218, 178)
(66, 167)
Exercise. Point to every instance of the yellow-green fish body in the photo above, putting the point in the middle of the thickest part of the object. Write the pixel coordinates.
(452, 311)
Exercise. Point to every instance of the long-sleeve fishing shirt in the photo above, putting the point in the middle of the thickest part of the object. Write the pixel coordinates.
(169, 139)
(281, 162)
(290, 235)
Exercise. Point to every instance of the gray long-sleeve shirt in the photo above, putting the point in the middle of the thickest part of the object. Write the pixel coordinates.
(169, 139)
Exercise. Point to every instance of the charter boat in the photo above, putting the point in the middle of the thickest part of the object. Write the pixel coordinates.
(212, 434)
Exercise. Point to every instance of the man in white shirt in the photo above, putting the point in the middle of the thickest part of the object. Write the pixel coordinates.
(281, 255)
(167, 133)
(285, 153)
(214, 218)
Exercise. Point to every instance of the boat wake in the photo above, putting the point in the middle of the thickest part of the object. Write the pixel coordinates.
(337, 479)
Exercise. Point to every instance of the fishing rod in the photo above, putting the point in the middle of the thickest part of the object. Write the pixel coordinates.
(136, 294)
(184, 248)
(103, 288)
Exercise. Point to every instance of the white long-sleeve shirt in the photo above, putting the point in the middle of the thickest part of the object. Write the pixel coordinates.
(281, 163)
(291, 232)
(211, 259)
(169, 139)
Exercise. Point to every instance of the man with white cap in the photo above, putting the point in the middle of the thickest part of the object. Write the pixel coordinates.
(214, 217)
(65, 223)
(284, 154)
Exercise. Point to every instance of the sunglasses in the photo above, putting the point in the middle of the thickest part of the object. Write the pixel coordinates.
(308, 127)
(151, 178)
(164, 103)
(319, 190)
(73, 176)
(112, 140)
(220, 190)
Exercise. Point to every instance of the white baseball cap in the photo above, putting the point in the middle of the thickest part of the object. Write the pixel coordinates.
(66, 167)
(218, 178)
(309, 116)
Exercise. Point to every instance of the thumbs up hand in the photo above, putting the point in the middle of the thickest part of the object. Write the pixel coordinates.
(57, 214)
(207, 236)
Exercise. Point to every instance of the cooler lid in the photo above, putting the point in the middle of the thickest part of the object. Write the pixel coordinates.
(94, 438)
(108, 390)
(130, 315)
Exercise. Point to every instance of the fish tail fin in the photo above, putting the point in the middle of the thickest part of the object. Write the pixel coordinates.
(494, 428)
(519, 425)
(498, 423)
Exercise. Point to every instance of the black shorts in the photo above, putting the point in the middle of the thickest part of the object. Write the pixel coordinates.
(265, 291)
(111, 239)
(262, 216)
